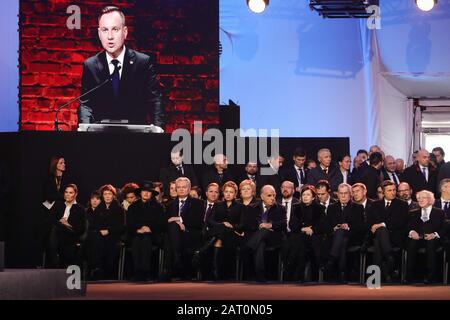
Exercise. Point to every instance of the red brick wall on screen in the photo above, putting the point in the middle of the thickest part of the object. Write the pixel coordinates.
(182, 35)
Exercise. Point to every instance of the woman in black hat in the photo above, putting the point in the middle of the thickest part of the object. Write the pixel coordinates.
(105, 229)
(146, 223)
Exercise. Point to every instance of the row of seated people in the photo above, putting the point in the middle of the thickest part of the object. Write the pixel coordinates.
(187, 229)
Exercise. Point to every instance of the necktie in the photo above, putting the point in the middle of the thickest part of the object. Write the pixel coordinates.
(424, 170)
(447, 209)
(424, 217)
(302, 175)
(265, 214)
(394, 177)
(325, 171)
(253, 178)
(181, 210)
(180, 169)
(220, 177)
(208, 212)
(115, 80)
(388, 204)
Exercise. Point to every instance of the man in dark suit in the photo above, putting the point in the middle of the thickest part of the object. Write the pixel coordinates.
(218, 174)
(271, 173)
(359, 196)
(444, 172)
(404, 193)
(177, 169)
(372, 176)
(345, 226)
(387, 220)
(133, 90)
(251, 173)
(325, 170)
(297, 172)
(323, 192)
(389, 170)
(185, 218)
(440, 156)
(421, 176)
(264, 225)
(357, 174)
(426, 228)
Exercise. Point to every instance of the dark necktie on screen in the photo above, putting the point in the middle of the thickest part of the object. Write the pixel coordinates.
(265, 214)
(180, 170)
(220, 177)
(208, 213)
(115, 80)
(447, 209)
(388, 204)
(182, 208)
(424, 171)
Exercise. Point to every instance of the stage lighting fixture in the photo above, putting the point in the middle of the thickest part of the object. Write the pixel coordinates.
(344, 8)
(426, 5)
(257, 6)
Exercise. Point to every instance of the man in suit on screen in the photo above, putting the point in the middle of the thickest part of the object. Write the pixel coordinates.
(133, 90)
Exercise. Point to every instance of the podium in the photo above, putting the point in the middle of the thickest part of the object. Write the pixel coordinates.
(116, 127)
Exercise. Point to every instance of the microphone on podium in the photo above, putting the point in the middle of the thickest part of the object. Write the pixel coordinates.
(83, 95)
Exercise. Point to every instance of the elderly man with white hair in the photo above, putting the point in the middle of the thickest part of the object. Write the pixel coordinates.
(426, 227)
(326, 170)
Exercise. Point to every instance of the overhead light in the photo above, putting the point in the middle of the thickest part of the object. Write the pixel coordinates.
(426, 5)
(257, 6)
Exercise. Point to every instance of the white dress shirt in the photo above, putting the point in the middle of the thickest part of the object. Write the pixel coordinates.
(344, 176)
(67, 210)
(121, 57)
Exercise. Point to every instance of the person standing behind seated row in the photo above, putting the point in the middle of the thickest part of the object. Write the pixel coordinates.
(106, 225)
(426, 228)
(297, 172)
(69, 224)
(325, 170)
(176, 169)
(251, 173)
(344, 175)
(185, 224)
(371, 177)
(387, 220)
(263, 224)
(218, 173)
(421, 175)
(306, 233)
(146, 223)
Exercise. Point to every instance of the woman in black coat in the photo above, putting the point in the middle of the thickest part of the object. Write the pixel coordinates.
(106, 225)
(306, 226)
(225, 226)
(68, 225)
(146, 222)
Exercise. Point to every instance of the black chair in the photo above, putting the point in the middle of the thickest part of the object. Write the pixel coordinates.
(422, 251)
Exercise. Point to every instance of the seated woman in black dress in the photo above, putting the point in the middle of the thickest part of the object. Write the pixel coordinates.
(225, 223)
(69, 224)
(306, 233)
(106, 225)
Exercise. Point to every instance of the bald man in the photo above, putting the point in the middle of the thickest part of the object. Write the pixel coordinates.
(264, 224)
(389, 172)
(421, 175)
(426, 229)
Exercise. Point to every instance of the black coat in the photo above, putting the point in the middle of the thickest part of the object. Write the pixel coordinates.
(275, 179)
(171, 173)
(51, 191)
(395, 217)
(434, 224)
(211, 175)
(340, 179)
(193, 213)
(371, 177)
(77, 218)
(252, 218)
(139, 98)
(353, 215)
(111, 219)
(307, 216)
(415, 178)
(222, 213)
(290, 174)
(150, 214)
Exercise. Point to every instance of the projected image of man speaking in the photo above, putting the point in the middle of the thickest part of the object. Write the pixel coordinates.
(132, 92)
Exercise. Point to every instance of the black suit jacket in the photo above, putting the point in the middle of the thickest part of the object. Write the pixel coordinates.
(211, 175)
(139, 98)
(434, 224)
(315, 175)
(193, 213)
(290, 174)
(415, 178)
(353, 215)
(395, 217)
(77, 218)
(171, 174)
(275, 179)
(340, 179)
(252, 218)
(222, 213)
(371, 177)
(307, 216)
